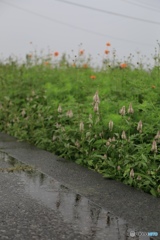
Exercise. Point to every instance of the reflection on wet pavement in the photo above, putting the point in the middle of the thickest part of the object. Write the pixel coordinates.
(85, 216)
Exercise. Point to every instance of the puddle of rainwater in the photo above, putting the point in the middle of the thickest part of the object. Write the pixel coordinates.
(85, 216)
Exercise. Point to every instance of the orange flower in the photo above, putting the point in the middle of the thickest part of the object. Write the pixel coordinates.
(108, 44)
(123, 65)
(153, 86)
(56, 54)
(106, 51)
(46, 63)
(81, 52)
(93, 77)
(85, 65)
(29, 56)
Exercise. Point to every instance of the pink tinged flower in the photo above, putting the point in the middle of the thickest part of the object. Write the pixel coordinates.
(81, 126)
(77, 144)
(96, 107)
(59, 109)
(139, 178)
(96, 98)
(23, 113)
(105, 156)
(122, 111)
(69, 114)
(108, 143)
(113, 139)
(88, 134)
(130, 109)
(157, 136)
(154, 146)
(58, 125)
(54, 138)
(118, 168)
(123, 136)
(63, 129)
(132, 173)
(139, 127)
(110, 125)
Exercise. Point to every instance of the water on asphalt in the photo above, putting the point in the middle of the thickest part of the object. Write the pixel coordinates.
(86, 218)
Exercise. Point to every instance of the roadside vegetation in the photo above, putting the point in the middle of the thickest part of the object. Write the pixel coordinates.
(106, 119)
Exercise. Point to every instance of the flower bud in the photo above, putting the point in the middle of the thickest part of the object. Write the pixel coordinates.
(130, 109)
(123, 136)
(23, 113)
(54, 138)
(158, 135)
(96, 108)
(108, 143)
(113, 139)
(81, 126)
(132, 173)
(105, 156)
(139, 127)
(139, 178)
(69, 114)
(96, 98)
(77, 144)
(88, 134)
(58, 125)
(59, 109)
(118, 168)
(154, 146)
(110, 125)
(122, 111)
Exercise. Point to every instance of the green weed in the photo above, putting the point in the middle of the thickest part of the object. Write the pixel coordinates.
(107, 120)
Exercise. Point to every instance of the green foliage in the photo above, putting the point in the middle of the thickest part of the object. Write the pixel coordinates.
(31, 94)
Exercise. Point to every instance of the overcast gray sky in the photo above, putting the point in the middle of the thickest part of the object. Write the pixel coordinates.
(129, 25)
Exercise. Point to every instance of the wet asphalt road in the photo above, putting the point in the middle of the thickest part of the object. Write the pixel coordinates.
(35, 206)
(65, 201)
(22, 217)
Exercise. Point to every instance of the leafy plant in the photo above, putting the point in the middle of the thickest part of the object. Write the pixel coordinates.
(107, 120)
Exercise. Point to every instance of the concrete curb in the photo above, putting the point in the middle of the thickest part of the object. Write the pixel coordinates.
(139, 209)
